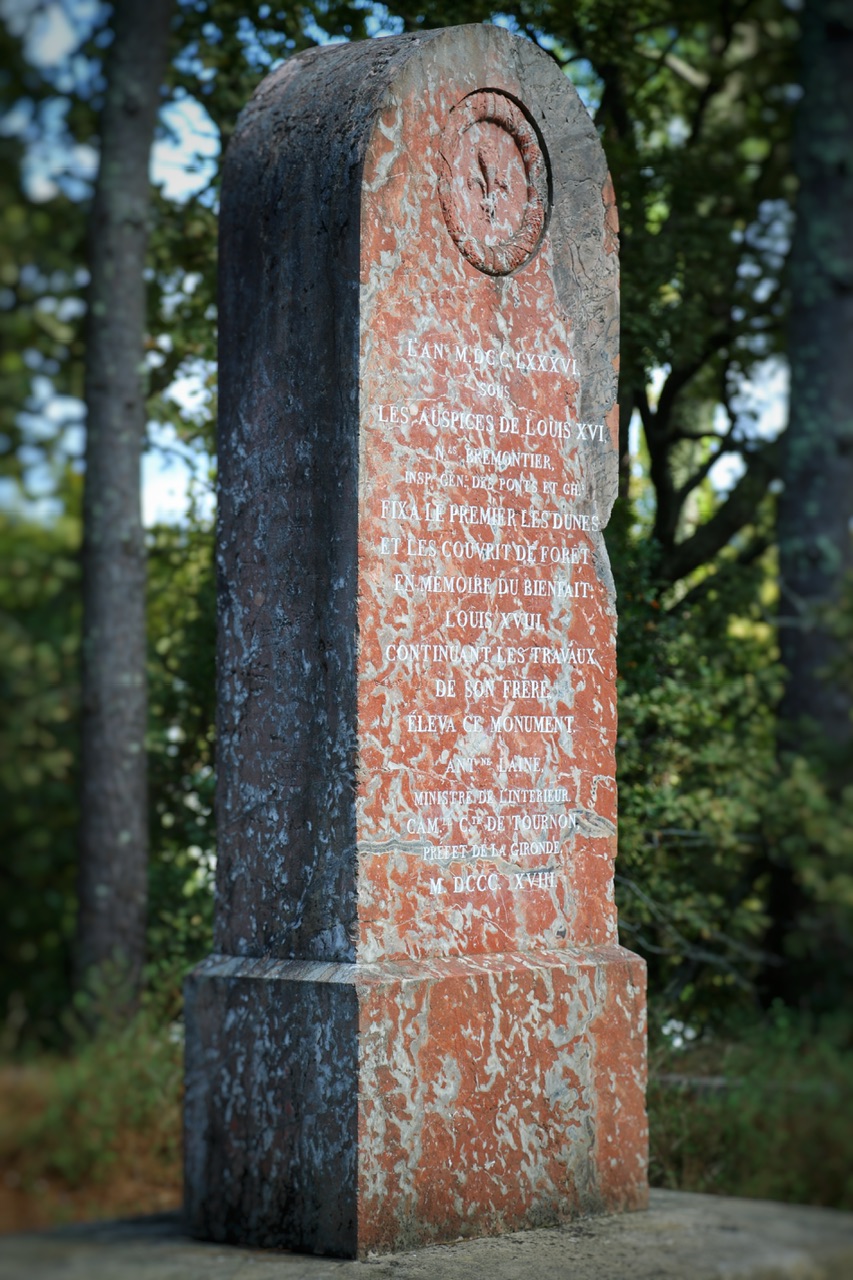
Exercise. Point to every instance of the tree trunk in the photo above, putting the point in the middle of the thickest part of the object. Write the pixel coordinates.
(114, 812)
(815, 510)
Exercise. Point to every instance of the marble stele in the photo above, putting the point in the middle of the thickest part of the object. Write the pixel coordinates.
(417, 1023)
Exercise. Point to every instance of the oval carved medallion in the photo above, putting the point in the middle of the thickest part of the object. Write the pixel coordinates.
(493, 185)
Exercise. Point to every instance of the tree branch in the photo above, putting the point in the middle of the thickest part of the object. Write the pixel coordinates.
(693, 481)
(700, 548)
(753, 551)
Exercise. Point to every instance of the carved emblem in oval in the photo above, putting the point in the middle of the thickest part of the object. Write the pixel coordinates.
(493, 182)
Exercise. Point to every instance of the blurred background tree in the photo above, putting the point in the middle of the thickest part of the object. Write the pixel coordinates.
(112, 870)
(695, 106)
(815, 515)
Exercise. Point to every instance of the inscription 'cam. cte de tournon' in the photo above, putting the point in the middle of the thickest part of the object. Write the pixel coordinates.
(417, 1023)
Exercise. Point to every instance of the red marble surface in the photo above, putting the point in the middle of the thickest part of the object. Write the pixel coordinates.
(498, 1093)
(487, 711)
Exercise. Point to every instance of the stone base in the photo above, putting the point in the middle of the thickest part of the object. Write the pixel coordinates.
(349, 1108)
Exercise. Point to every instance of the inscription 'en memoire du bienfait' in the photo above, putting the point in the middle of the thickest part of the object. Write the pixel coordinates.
(476, 559)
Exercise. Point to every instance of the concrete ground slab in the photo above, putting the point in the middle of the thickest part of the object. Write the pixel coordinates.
(680, 1237)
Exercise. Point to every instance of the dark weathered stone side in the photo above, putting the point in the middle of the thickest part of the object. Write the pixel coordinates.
(288, 458)
(271, 1107)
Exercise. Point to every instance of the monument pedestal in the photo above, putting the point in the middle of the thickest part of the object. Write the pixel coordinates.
(418, 1024)
(350, 1108)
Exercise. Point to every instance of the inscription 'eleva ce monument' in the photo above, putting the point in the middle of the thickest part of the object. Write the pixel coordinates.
(417, 1023)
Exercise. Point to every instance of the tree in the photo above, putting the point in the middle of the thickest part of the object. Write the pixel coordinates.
(815, 524)
(113, 868)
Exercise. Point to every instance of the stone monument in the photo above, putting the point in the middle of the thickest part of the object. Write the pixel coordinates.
(417, 1024)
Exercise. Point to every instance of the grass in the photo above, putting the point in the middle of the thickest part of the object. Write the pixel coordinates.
(95, 1134)
(768, 1113)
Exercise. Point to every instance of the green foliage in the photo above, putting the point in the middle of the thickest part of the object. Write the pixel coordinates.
(694, 759)
(39, 655)
(768, 1115)
(182, 707)
(807, 832)
(39, 685)
(41, 274)
(708, 807)
(120, 1087)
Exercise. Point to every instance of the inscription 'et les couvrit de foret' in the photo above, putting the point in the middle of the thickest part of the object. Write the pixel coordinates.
(417, 1023)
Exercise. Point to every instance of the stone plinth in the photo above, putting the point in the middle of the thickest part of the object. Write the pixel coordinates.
(418, 1023)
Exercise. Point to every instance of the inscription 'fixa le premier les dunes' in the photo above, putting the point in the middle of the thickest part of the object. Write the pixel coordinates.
(476, 448)
(497, 517)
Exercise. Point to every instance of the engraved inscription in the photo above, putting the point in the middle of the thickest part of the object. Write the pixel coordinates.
(486, 786)
(501, 565)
